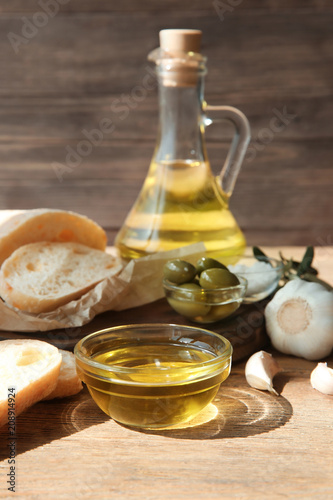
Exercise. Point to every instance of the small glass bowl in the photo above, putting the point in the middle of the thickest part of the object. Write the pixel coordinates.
(153, 375)
(204, 305)
(263, 280)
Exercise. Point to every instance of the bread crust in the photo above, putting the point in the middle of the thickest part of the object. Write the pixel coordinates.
(31, 369)
(68, 382)
(49, 225)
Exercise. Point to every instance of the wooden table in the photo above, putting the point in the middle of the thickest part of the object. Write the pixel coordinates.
(247, 444)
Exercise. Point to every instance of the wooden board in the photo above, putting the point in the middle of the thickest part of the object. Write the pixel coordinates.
(245, 329)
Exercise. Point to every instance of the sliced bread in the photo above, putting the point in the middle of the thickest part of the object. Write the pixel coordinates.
(68, 382)
(49, 225)
(29, 371)
(39, 277)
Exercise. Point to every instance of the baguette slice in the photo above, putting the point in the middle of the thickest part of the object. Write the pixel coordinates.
(49, 225)
(29, 371)
(68, 382)
(39, 277)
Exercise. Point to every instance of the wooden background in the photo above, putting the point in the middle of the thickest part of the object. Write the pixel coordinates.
(70, 72)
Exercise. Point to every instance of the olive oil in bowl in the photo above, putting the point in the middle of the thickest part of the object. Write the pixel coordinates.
(154, 376)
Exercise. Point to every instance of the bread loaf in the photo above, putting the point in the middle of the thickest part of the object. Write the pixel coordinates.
(40, 277)
(68, 382)
(29, 371)
(49, 225)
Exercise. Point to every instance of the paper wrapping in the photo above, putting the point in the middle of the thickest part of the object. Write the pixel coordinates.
(131, 284)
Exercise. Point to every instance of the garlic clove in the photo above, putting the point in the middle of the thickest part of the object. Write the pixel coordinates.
(299, 320)
(322, 379)
(260, 370)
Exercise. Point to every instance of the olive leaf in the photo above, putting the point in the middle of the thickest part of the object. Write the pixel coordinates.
(306, 261)
(315, 279)
(293, 269)
(310, 270)
(259, 254)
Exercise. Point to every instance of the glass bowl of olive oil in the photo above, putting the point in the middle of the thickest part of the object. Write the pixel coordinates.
(153, 375)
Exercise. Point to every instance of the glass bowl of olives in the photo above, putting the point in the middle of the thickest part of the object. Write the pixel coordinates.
(204, 293)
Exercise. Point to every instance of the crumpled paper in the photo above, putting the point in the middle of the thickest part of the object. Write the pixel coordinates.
(133, 284)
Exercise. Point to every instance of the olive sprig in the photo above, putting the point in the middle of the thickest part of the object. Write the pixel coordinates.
(294, 269)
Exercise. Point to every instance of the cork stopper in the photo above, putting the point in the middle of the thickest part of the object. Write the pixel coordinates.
(180, 40)
(178, 58)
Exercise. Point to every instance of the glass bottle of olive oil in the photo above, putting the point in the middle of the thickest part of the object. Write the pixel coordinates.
(182, 201)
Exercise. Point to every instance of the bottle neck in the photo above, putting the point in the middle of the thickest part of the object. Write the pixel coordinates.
(181, 124)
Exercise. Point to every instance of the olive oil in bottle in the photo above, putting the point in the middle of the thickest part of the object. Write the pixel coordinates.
(182, 201)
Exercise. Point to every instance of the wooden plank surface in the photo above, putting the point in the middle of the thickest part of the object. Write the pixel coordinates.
(31, 6)
(93, 187)
(256, 444)
(241, 57)
(71, 73)
(247, 444)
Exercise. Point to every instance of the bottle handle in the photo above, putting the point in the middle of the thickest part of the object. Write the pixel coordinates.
(240, 142)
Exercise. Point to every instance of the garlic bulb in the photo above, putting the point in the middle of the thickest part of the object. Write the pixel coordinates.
(299, 320)
(260, 370)
(322, 379)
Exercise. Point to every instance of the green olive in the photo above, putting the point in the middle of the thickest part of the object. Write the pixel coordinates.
(207, 263)
(179, 271)
(217, 278)
(191, 287)
(189, 291)
(189, 309)
(223, 311)
(187, 301)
